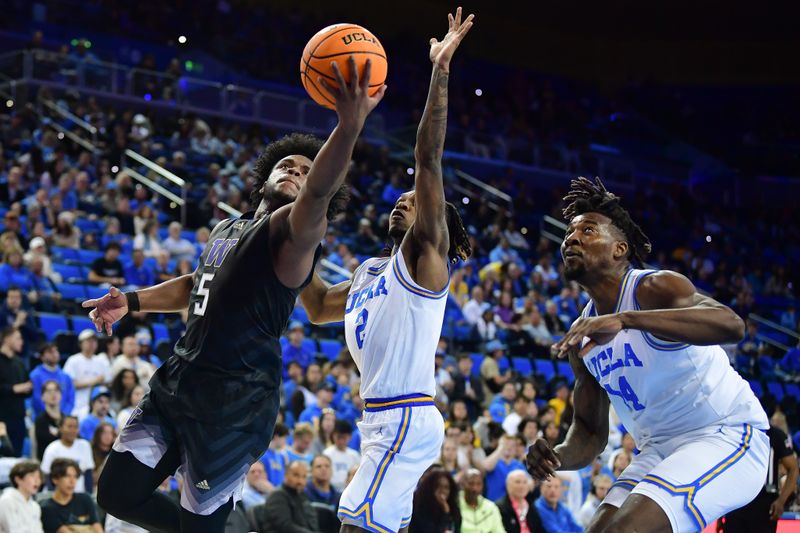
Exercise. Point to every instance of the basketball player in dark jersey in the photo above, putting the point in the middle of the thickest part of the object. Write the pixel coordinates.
(212, 406)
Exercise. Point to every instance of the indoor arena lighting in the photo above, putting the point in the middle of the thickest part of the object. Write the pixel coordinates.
(708, 238)
(60, 136)
(410, 171)
(182, 39)
(114, 169)
(9, 103)
(465, 200)
(478, 92)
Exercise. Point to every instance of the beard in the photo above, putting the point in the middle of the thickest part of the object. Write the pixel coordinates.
(397, 233)
(574, 273)
(276, 198)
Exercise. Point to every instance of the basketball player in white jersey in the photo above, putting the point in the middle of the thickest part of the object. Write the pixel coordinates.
(649, 342)
(393, 310)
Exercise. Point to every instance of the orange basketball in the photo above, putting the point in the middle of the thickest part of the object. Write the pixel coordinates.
(337, 43)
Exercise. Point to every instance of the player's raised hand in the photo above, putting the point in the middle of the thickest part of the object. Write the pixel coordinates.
(442, 51)
(108, 309)
(353, 102)
(541, 461)
(599, 330)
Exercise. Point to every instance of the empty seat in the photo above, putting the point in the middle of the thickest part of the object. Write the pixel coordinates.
(522, 365)
(330, 348)
(309, 345)
(69, 272)
(160, 333)
(300, 315)
(565, 371)
(757, 389)
(87, 257)
(544, 367)
(776, 389)
(51, 324)
(81, 322)
(477, 359)
(65, 254)
(72, 291)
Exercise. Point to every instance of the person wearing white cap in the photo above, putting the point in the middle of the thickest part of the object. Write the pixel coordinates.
(37, 249)
(86, 370)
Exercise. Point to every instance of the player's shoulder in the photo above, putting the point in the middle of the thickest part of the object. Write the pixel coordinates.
(657, 288)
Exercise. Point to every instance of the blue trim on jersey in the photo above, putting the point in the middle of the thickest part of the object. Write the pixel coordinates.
(690, 490)
(419, 291)
(409, 400)
(622, 288)
(364, 511)
(377, 270)
(628, 484)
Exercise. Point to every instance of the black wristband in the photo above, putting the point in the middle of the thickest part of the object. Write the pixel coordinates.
(133, 300)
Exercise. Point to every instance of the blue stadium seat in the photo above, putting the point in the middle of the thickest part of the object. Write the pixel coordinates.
(330, 348)
(284, 343)
(545, 368)
(776, 389)
(87, 257)
(80, 323)
(51, 324)
(72, 291)
(522, 365)
(477, 359)
(503, 364)
(160, 332)
(299, 314)
(69, 272)
(310, 345)
(756, 386)
(565, 370)
(93, 291)
(64, 254)
(793, 390)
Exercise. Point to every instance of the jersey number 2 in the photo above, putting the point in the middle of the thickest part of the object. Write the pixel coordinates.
(361, 325)
(202, 290)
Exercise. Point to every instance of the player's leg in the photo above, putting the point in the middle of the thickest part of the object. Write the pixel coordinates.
(693, 485)
(602, 517)
(214, 522)
(145, 453)
(638, 513)
(127, 490)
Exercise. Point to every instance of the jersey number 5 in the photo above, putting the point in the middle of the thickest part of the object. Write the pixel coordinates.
(202, 290)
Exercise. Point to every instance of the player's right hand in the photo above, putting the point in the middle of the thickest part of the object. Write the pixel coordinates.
(107, 310)
(353, 102)
(541, 461)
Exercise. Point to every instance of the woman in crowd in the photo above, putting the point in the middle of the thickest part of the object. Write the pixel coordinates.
(324, 436)
(436, 503)
(133, 398)
(102, 440)
(47, 423)
(66, 234)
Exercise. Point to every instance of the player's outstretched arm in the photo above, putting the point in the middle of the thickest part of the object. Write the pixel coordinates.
(587, 436)
(169, 297)
(325, 303)
(301, 226)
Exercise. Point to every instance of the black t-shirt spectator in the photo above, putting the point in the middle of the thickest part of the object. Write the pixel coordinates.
(46, 432)
(109, 269)
(781, 447)
(79, 511)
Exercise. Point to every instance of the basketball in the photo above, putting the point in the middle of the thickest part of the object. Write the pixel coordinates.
(336, 43)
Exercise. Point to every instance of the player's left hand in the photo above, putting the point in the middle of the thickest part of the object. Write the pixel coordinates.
(599, 330)
(776, 509)
(442, 52)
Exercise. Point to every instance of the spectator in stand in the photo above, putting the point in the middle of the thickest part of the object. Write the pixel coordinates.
(301, 446)
(13, 272)
(436, 508)
(19, 512)
(69, 506)
(256, 486)
(13, 190)
(148, 240)
(44, 295)
(86, 370)
(621, 462)
(319, 489)
(135, 396)
(14, 314)
(393, 189)
(498, 464)
(294, 351)
(178, 247)
(275, 458)
(66, 234)
(504, 310)
(517, 506)
(486, 328)
(474, 308)
(528, 429)
(108, 269)
(130, 359)
(514, 418)
(789, 318)
(561, 399)
(112, 234)
(163, 271)
(555, 517)
(467, 388)
(124, 214)
(342, 457)
(312, 413)
(102, 441)
(600, 487)
(49, 370)
(493, 381)
(287, 509)
(366, 241)
(448, 459)
(552, 320)
(14, 228)
(99, 412)
(137, 273)
(478, 514)
(14, 387)
(38, 249)
(121, 386)
(47, 422)
(324, 425)
(201, 239)
(69, 446)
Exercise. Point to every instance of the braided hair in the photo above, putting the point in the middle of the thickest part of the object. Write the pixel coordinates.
(460, 247)
(586, 196)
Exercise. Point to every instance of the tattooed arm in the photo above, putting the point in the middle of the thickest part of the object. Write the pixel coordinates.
(427, 249)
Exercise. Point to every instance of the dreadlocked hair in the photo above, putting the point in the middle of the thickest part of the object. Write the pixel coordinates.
(293, 144)
(460, 247)
(586, 196)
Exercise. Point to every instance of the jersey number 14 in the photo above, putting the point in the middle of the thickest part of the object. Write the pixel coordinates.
(626, 393)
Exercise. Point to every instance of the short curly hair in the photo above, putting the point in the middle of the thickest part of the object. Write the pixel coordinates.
(293, 144)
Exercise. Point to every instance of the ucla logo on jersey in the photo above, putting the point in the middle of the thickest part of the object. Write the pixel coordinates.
(373, 290)
(219, 251)
(608, 361)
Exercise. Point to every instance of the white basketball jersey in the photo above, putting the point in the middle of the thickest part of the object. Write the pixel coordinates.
(392, 327)
(661, 388)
